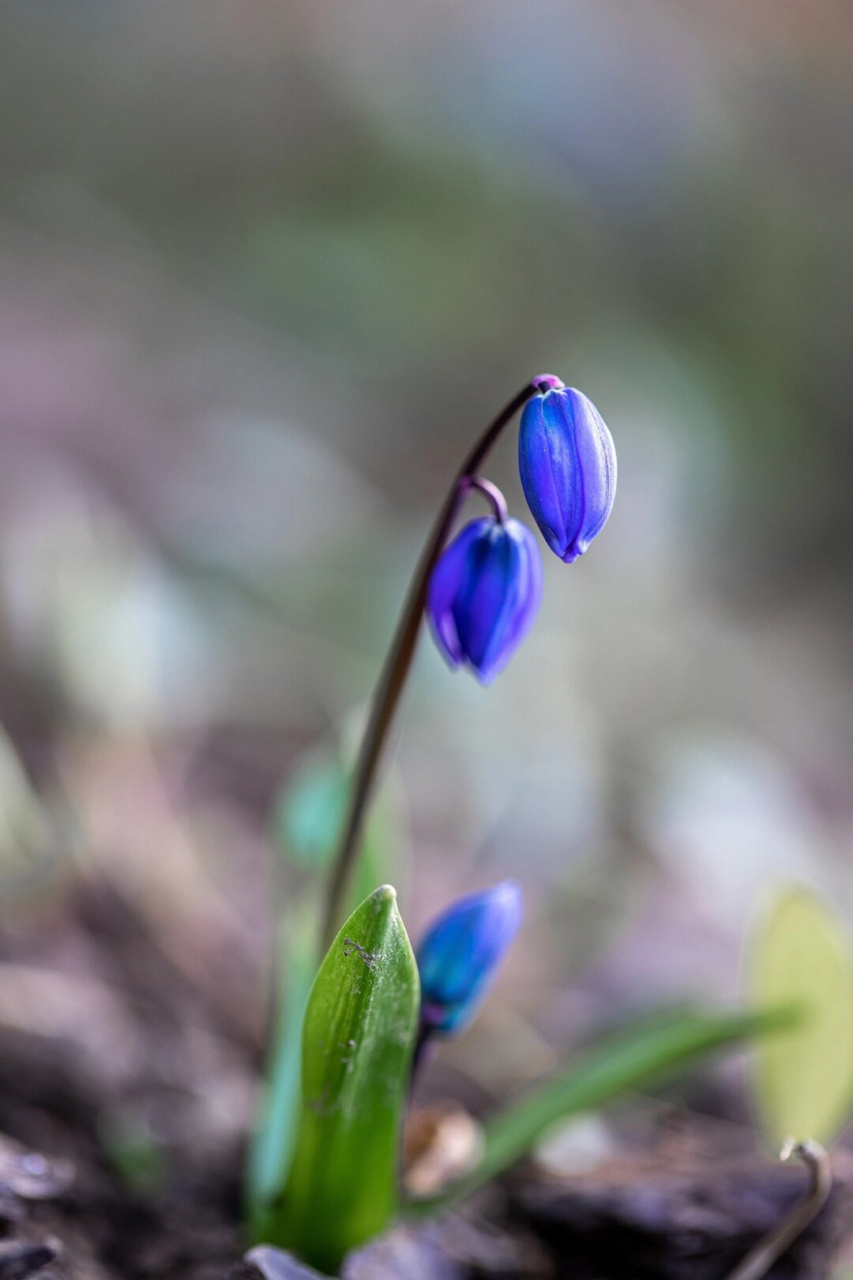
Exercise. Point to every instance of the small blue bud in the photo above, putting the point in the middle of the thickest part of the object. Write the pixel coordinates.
(568, 469)
(484, 594)
(459, 958)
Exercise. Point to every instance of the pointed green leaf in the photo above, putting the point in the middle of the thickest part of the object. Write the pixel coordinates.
(358, 1036)
(626, 1061)
(800, 955)
(306, 821)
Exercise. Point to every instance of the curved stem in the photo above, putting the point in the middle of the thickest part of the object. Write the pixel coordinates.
(492, 493)
(399, 660)
(760, 1259)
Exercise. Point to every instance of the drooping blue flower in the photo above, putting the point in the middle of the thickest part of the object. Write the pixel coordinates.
(484, 594)
(459, 958)
(568, 469)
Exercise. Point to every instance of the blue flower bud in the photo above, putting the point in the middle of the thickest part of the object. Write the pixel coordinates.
(484, 594)
(568, 469)
(460, 955)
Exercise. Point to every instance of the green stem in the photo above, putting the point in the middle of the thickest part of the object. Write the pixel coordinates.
(399, 660)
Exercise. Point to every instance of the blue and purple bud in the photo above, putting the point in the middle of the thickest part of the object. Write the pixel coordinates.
(460, 956)
(484, 594)
(568, 468)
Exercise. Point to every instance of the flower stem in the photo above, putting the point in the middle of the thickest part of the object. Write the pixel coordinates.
(492, 493)
(397, 664)
(760, 1259)
(424, 1047)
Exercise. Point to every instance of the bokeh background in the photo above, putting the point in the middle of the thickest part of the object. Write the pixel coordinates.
(267, 266)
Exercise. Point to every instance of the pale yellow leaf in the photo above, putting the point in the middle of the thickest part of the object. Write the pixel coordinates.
(800, 956)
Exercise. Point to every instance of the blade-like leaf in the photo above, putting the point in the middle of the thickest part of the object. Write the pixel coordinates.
(629, 1060)
(358, 1036)
(275, 1130)
(803, 1079)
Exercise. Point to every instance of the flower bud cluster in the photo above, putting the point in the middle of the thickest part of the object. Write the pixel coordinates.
(483, 596)
(486, 588)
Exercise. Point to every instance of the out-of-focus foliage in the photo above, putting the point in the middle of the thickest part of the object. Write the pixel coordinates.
(308, 817)
(309, 813)
(629, 1060)
(800, 955)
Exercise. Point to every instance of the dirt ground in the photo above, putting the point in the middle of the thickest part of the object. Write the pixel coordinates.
(125, 1092)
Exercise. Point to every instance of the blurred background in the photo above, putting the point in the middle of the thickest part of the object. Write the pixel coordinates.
(267, 267)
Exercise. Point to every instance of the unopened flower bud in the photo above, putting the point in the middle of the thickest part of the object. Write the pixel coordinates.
(568, 469)
(462, 952)
(484, 594)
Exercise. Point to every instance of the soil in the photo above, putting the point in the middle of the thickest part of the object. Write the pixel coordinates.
(126, 1086)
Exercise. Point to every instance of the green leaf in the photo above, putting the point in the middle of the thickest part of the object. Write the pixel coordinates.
(308, 811)
(275, 1130)
(308, 816)
(306, 821)
(358, 1037)
(800, 955)
(626, 1061)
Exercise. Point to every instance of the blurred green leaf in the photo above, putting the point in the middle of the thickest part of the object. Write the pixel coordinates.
(631, 1059)
(358, 1036)
(275, 1132)
(309, 811)
(308, 816)
(31, 842)
(134, 1153)
(800, 955)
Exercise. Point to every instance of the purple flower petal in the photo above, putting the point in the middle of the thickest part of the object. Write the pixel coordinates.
(567, 462)
(447, 580)
(484, 594)
(460, 955)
